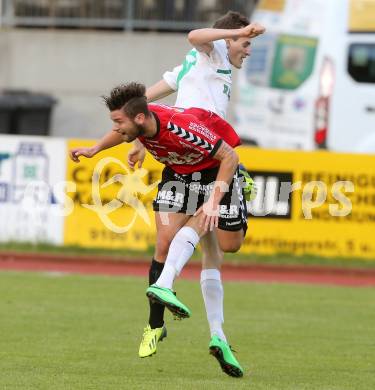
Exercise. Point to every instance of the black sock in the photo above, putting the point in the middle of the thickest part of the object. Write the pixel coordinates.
(156, 319)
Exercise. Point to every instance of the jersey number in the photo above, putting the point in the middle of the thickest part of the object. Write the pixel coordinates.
(226, 91)
(175, 158)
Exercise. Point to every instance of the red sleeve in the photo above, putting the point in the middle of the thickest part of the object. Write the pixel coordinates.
(194, 132)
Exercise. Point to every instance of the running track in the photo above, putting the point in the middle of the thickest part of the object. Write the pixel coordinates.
(139, 267)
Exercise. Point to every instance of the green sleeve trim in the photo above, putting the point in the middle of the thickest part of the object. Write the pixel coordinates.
(224, 71)
(187, 65)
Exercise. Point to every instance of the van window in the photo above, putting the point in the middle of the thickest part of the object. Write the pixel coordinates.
(294, 61)
(361, 62)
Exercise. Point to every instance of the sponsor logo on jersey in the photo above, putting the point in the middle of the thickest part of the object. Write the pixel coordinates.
(186, 145)
(228, 212)
(177, 198)
(197, 127)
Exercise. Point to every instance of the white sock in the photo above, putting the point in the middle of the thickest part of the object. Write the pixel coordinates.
(181, 249)
(213, 295)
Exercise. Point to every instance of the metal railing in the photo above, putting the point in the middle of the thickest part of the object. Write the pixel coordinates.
(168, 15)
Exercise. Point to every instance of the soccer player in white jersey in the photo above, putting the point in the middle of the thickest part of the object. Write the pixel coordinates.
(203, 80)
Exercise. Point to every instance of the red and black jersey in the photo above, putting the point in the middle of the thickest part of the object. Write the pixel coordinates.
(187, 139)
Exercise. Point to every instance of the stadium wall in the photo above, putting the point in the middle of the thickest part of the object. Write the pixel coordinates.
(77, 67)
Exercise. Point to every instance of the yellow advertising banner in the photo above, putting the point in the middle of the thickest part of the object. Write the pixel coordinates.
(362, 15)
(111, 205)
(330, 211)
(318, 203)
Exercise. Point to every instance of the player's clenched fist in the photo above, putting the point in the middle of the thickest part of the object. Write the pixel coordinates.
(252, 30)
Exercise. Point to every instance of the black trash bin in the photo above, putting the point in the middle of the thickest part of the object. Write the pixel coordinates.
(26, 112)
(7, 108)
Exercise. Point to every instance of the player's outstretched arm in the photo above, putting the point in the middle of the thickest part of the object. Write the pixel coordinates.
(111, 139)
(76, 153)
(202, 38)
(137, 154)
(108, 141)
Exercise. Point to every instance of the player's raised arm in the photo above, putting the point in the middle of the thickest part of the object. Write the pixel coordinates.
(202, 38)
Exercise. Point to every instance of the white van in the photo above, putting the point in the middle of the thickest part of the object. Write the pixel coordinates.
(310, 80)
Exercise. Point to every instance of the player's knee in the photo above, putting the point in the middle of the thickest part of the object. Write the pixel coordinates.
(230, 241)
(231, 246)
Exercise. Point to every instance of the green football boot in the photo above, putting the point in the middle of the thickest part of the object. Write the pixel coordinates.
(224, 355)
(250, 188)
(150, 339)
(166, 297)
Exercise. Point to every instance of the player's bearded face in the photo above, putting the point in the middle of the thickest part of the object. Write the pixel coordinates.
(126, 126)
(137, 130)
(131, 131)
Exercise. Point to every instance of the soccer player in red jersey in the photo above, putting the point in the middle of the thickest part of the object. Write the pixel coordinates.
(200, 190)
(203, 80)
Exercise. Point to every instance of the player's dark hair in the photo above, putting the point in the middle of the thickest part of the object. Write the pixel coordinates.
(128, 97)
(232, 20)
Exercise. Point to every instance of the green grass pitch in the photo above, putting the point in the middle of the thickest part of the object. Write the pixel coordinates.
(83, 332)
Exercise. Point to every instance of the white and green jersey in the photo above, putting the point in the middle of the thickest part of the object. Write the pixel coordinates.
(203, 80)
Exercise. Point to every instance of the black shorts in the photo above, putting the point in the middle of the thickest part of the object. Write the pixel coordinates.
(186, 193)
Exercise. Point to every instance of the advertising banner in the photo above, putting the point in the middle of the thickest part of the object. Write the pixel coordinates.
(111, 205)
(32, 171)
(318, 203)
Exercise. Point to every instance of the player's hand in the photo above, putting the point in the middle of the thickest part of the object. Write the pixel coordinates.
(252, 30)
(75, 153)
(209, 213)
(136, 155)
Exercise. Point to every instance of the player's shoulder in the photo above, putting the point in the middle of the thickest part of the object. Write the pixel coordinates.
(220, 44)
(191, 55)
(163, 108)
(220, 47)
(219, 53)
(159, 108)
(164, 113)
